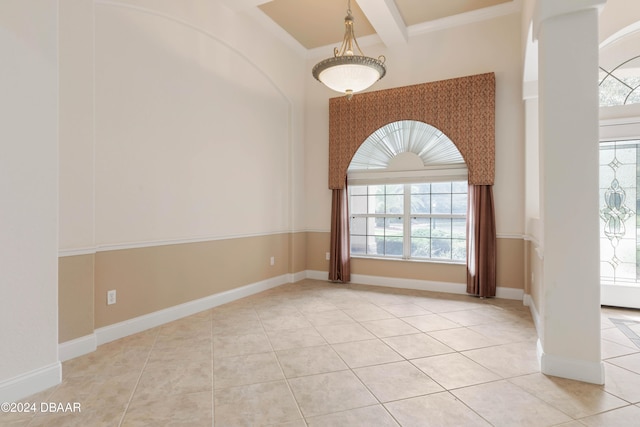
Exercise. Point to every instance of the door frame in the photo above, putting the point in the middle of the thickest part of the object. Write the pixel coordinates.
(616, 128)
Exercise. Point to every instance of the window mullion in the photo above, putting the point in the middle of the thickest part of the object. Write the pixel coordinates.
(406, 235)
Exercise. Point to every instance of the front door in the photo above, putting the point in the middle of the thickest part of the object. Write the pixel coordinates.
(620, 215)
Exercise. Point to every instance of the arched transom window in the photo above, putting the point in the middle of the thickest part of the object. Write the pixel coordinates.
(619, 85)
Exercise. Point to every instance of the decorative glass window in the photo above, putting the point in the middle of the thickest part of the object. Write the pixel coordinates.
(408, 195)
(618, 86)
(619, 220)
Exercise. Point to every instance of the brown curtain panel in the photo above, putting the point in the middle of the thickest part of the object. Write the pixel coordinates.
(340, 262)
(481, 242)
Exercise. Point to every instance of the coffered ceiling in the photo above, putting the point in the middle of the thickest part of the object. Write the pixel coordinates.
(318, 23)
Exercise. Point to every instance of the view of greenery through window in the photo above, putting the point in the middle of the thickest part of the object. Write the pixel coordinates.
(409, 221)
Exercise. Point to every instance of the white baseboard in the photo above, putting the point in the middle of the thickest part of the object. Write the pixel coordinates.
(157, 318)
(421, 285)
(296, 277)
(528, 301)
(89, 343)
(316, 275)
(30, 383)
(49, 376)
(77, 347)
(580, 370)
(509, 293)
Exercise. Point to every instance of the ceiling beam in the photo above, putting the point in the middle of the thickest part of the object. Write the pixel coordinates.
(243, 5)
(385, 18)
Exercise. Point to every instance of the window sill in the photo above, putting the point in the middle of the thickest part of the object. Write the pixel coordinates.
(426, 261)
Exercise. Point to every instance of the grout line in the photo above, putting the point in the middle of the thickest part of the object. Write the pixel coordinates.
(213, 379)
(286, 380)
(135, 387)
(622, 325)
(279, 301)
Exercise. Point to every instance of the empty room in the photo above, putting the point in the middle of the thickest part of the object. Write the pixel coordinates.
(320, 213)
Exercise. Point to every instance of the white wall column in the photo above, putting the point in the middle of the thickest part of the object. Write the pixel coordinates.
(28, 198)
(567, 34)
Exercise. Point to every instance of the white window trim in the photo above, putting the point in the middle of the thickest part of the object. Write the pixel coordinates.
(428, 174)
(406, 238)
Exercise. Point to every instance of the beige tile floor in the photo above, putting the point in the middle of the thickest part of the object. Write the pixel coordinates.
(319, 354)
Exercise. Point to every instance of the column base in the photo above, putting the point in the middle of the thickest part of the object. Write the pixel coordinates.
(573, 369)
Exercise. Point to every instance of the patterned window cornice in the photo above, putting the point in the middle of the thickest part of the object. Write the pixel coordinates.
(462, 108)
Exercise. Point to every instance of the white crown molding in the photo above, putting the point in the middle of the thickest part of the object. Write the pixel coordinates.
(474, 16)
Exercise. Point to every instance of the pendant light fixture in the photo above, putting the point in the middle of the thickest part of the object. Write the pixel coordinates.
(349, 71)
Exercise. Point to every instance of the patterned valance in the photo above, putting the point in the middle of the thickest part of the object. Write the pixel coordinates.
(462, 108)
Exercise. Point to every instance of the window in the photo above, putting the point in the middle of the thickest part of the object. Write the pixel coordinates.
(409, 221)
(408, 195)
(619, 84)
(619, 218)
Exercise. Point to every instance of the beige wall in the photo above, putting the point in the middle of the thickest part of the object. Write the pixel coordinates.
(511, 272)
(318, 244)
(298, 254)
(429, 271)
(510, 264)
(75, 296)
(153, 278)
(158, 277)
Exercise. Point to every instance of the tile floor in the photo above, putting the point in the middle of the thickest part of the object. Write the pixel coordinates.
(320, 354)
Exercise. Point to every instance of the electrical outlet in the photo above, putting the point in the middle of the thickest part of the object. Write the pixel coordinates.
(111, 297)
(272, 261)
(327, 256)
